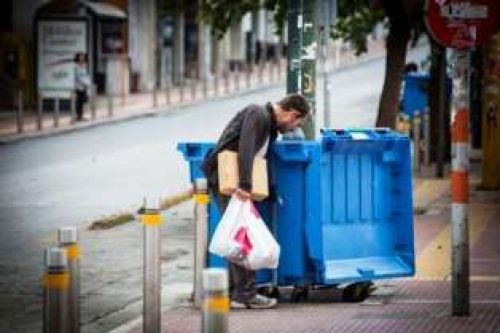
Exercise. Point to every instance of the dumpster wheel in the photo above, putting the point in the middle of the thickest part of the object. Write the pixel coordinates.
(299, 293)
(357, 292)
(269, 291)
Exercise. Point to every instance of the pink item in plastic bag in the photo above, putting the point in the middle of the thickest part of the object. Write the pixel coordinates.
(241, 237)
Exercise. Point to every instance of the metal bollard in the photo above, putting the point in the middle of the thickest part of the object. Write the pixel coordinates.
(110, 106)
(226, 82)
(55, 284)
(20, 111)
(181, 91)
(73, 107)
(416, 141)
(151, 219)
(427, 139)
(201, 199)
(261, 71)
(216, 84)
(56, 112)
(193, 84)
(167, 93)
(237, 79)
(204, 83)
(280, 71)
(93, 101)
(67, 238)
(39, 112)
(193, 90)
(155, 97)
(247, 75)
(216, 300)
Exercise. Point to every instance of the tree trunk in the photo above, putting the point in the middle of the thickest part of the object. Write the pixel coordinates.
(397, 41)
(437, 105)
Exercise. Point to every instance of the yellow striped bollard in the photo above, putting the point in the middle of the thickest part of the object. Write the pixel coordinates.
(216, 300)
(151, 219)
(67, 239)
(55, 286)
(201, 200)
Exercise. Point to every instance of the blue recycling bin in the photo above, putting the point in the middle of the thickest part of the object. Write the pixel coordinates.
(343, 207)
(415, 94)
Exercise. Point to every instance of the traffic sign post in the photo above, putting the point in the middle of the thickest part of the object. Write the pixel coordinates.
(461, 25)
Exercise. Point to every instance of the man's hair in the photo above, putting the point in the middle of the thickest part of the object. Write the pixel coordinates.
(296, 102)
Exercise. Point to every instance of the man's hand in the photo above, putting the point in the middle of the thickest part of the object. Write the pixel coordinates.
(242, 194)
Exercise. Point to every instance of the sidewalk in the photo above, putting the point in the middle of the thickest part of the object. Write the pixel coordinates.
(419, 304)
(132, 106)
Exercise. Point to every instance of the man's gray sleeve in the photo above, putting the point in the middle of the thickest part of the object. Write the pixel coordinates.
(254, 130)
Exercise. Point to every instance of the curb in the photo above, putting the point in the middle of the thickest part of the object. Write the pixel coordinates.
(150, 112)
(119, 219)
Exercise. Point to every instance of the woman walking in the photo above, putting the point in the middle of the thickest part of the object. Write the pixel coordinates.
(82, 83)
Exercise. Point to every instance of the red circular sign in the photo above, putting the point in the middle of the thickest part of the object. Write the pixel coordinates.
(462, 24)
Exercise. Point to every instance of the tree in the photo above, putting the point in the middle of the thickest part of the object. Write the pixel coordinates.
(404, 19)
(356, 20)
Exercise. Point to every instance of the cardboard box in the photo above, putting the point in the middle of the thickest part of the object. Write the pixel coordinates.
(229, 175)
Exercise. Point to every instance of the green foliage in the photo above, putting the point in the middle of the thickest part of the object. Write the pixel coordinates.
(280, 9)
(354, 24)
(356, 18)
(219, 14)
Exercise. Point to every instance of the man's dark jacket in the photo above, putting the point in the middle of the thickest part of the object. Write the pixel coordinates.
(246, 133)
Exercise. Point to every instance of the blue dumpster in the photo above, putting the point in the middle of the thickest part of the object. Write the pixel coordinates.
(194, 153)
(343, 208)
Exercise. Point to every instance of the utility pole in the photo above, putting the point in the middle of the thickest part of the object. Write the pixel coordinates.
(460, 183)
(293, 78)
(308, 64)
(301, 66)
(326, 13)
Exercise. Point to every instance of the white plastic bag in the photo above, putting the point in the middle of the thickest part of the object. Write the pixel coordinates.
(243, 238)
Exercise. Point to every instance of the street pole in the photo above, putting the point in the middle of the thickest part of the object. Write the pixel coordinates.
(39, 112)
(326, 82)
(67, 238)
(151, 219)
(19, 118)
(294, 44)
(324, 18)
(56, 284)
(56, 112)
(460, 183)
(201, 199)
(216, 301)
(308, 64)
(441, 114)
(93, 100)
(294, 65)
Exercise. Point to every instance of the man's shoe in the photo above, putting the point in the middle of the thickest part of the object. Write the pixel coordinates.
(261, 302)
(256, 302)
(235, 305)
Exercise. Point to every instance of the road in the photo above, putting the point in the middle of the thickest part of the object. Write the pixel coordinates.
(75, 178)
